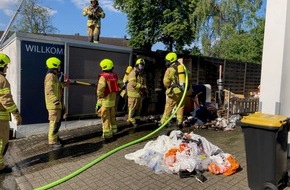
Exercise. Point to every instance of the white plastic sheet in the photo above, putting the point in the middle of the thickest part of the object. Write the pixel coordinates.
(193, 152)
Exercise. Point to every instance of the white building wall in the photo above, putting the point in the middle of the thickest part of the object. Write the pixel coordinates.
(275, 79)
(285, 83)
(275, 63)
(12, 49)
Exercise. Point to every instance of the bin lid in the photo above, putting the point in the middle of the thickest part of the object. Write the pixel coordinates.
(264, 120)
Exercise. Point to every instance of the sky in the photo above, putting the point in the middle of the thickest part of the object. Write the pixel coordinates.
(68, 19)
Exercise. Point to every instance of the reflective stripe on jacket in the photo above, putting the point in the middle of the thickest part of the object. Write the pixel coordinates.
(7, 104)
(53, 92)
(135, 82)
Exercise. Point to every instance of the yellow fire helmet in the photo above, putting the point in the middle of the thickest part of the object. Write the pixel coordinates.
(106, 64)
(140, 61)
(53, 63)
(171, 57)
(140, 65)
(4, 60)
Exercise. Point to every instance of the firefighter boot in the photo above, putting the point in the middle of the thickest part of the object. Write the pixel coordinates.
(56, 145)
(91, 38)
(53, 139)
(6, 170)
(108, 137)
(96, 39)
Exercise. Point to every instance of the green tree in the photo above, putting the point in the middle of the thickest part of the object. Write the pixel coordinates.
(227, 29)
(231, 29)
(245, 47)
(34, 19)
(152, 21)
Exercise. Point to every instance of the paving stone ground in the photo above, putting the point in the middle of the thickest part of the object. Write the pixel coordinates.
(36, 165)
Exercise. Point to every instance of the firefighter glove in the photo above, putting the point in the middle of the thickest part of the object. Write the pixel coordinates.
(90, 13)
(98, 106)
(68, 82)
(175, 85)
(72, 81)
(17, 118)
(123, 93)
(98, 15)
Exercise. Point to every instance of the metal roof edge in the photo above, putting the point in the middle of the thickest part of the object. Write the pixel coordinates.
(59, 40)
(98, 46)
(8, 41)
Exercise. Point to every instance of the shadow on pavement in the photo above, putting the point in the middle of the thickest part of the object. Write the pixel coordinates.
(76, 145)
(123, 129)
(82, 138)
(71, 151)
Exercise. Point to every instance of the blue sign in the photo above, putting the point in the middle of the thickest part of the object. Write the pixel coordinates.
(33, 71)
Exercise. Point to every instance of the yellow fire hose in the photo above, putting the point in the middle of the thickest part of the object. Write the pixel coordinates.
(87, 166)
(81, 83)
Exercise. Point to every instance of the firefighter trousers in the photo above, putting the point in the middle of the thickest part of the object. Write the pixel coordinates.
(170, 104)
(109, 124)
(54, 117)
(94, 33)
(134, 109)
(4, 137)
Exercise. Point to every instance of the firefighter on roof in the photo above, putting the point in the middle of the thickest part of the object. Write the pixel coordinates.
(107, 89)
(7, 106)
(173, 81)
(95, 13)
(135, 90)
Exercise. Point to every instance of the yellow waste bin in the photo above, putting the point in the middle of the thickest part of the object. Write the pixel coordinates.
(266, 143)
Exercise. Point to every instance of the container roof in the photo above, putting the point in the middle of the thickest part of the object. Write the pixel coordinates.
(122, 42)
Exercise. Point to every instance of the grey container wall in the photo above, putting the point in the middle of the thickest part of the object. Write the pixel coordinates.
(83, 65)
(28, 53)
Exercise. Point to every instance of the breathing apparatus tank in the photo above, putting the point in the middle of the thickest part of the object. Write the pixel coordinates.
(128, 70)
(181, 74)
(125, 81)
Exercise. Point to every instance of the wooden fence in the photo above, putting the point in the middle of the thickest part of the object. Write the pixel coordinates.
(243, 106)
(238, 77)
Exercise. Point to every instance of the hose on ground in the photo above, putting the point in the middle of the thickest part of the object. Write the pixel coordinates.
(100, 158)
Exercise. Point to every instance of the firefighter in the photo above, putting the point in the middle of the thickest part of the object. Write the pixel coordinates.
(174, 89)
(7, 106)
(136, 89)
(107, 89)
(95, 13)
(53, 91)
